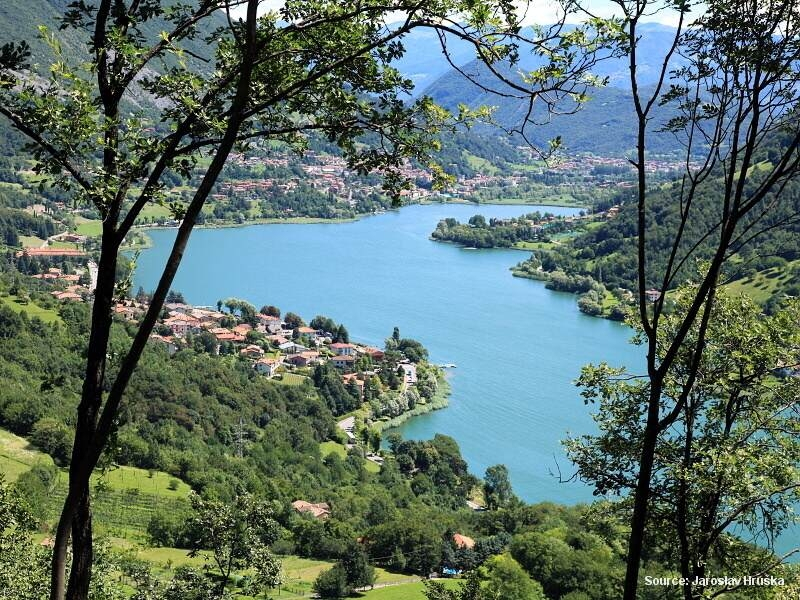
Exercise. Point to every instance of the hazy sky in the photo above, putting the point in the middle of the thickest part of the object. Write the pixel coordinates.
(546, 11)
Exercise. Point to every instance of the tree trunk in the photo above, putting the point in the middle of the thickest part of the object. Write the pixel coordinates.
(81, 572)
(59, 562)
(76, 514)
(642, 495)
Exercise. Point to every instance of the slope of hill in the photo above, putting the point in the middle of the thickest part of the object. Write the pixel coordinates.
(604, 125)
(21, 21)
(766, 266)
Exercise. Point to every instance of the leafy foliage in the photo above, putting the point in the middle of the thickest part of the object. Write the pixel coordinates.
(730, 458)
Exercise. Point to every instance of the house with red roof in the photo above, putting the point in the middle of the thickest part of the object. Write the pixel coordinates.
(320, 510)
(462, 541)
(267, 366)
(252, 351)
(343, 349)
(303, 359)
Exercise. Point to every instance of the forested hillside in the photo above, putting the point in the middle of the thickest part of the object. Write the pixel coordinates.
(764, 265)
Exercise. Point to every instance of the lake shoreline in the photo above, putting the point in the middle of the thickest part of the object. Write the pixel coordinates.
(440, 400)
(324, 221)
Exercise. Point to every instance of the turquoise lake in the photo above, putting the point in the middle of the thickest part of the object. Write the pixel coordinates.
(517, 346)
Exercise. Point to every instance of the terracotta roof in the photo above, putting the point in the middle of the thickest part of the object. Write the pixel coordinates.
(50, 252)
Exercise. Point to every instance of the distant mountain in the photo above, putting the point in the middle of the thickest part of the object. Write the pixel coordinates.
(605, 125)
(424, 61)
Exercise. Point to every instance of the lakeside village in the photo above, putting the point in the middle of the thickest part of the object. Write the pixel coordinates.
(370, 388)
(329, 174)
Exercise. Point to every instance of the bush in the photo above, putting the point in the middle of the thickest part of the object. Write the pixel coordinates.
(53, 437)
(588, 306)
(169, 531)
(332, 583)
(36, 487)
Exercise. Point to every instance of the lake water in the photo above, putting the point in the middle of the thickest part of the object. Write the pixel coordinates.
(517, 346)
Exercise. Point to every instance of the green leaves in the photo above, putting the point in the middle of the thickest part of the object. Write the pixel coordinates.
(731, 456)
(238, 533)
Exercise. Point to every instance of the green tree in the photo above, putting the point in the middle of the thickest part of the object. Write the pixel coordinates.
(238, 534)
(188, 583)
(332, 583)
(293, 320)
(497, 487)
(356, 566)
(269, 310)
(469, 590)
(10, 323)
(23, 570)
(478, 221)
(375, 440)
(55, 438)
(729, 459)
(505, 578)
(341, 335)
(36, 487)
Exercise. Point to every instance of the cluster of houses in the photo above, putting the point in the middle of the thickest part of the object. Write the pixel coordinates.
(324, 172)
(73, 292)
(287, 349)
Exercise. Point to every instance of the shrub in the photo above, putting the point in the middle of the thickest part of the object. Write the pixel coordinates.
(53, 437)
(332, 583)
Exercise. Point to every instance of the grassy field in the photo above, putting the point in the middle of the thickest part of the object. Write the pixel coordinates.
(65, 245)
(292, 379)
(30, 241)
(327, 448)
(88, 227)
(764, 284)
(155, 211)
(125, 498)
(31, 308)
(156, 483)
(372, 467)
(17, 456)
(164, 558)
(480, 164)
(533, 245)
